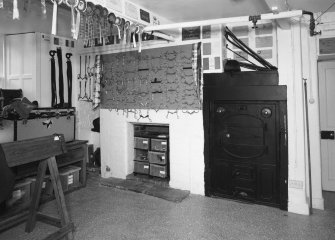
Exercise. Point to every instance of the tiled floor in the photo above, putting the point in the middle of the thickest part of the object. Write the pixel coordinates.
(101, 213)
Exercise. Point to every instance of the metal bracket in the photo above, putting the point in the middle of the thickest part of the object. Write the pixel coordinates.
(254, 19)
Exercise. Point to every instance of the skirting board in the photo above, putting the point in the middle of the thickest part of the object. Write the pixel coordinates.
(298, 208)
(318, 203)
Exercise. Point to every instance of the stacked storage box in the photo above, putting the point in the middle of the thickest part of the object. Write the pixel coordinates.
(158, 158)
(69, 177)
(47, 188)
(21, 194)
(141, 164)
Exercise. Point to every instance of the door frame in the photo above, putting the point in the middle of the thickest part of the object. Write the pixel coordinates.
(320, 60)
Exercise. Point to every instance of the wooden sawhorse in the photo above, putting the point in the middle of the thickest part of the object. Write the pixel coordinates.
(44, 150)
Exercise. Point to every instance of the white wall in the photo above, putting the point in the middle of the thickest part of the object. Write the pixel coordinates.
(186, 146)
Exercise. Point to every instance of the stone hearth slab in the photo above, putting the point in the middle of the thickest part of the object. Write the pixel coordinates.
(167, 193)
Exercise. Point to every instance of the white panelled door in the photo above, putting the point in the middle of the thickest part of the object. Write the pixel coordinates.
(327, 122)
(20, 50)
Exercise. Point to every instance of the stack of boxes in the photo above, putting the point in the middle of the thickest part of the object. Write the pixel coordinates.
(24, 189)
(151, 156)
(158, 158)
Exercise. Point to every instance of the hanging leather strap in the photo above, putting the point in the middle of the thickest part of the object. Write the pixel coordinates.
(60, 79)
(53, 79)
(69, 78)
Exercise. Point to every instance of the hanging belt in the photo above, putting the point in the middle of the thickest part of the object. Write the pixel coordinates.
(53, 79)
(69, 78)
(60, 79)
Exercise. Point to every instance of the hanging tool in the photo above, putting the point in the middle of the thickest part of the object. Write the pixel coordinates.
(98, 75)
(111, 19)
(80, 78)
(16, 10)
(54, 16)
(69, 78)
(53, 79)
(60, 77)
(82, 5)
(85, 78)
(72, 4)
(90, 73)
(80, 9)
(89, 25)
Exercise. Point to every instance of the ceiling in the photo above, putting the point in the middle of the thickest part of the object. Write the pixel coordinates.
(192, 10)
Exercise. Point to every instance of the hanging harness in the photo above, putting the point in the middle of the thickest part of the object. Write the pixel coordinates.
(53, 79)
(60, 78)
(69, 78)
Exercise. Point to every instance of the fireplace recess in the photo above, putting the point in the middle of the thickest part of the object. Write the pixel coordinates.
(151, 150)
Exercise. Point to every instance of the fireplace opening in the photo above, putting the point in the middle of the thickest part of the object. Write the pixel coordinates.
(151, 153)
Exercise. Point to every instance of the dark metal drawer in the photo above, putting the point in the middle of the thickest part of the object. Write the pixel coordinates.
(157, 157)
(159, 145)
(158, 171)
(141, 143)
(141, 167)
(140, 155)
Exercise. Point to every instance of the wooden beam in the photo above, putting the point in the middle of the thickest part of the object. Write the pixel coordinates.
(33, 150)
(51, 220)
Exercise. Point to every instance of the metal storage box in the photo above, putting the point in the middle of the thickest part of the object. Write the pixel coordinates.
(157, 157)
(141, 167)
(141, 155)
(158, 171)
(141, 143)
(69, 177)
(159, 145)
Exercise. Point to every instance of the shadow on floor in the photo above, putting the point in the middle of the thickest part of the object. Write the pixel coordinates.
(329, 200)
